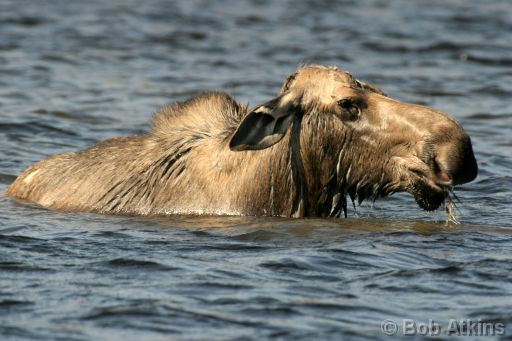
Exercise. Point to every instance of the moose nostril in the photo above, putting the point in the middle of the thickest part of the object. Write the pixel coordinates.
(455, 162)
(442, 175)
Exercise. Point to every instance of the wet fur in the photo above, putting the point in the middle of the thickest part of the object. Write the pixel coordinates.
(193, 162)
(182, 166)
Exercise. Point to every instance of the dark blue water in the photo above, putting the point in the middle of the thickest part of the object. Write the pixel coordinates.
(73, 73)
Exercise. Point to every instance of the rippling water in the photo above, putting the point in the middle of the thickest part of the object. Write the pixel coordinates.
(73, 73)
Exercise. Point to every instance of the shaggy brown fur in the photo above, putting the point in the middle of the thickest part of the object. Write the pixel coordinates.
(326, 136)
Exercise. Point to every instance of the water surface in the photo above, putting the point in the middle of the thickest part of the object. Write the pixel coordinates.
(73, 73)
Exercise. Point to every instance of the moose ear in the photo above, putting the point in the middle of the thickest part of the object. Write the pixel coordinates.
(265, 125)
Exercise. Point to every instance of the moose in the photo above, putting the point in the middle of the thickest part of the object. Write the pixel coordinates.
(325, 137)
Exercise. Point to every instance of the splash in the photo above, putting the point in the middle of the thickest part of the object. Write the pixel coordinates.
(451, 207)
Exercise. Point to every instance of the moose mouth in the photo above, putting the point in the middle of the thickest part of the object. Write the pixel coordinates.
(429, 192)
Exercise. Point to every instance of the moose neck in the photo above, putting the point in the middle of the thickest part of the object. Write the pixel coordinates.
(274, 178)
(323, 159)
(300, 203)
(304, 180)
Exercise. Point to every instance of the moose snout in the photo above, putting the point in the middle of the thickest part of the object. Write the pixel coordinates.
(453, 161)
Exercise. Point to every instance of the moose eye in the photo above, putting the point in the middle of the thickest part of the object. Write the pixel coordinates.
(350, 111)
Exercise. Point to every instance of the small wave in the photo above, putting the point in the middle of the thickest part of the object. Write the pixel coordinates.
(33, 127)
(17, 333)
(72, 116)
(27, 21)
(135, 309)
(488, 116)
(179, 38)
(59, 58)
(435, 47)
(137, 263)
(440, 93)
(19, 239)
(287, 264)
(506, 62)
(260, 235)
(336, 304)
(450, 269)
(21, 267)
(495, 90)
(224, 247)
(6, 46)
(217, 285)
(123, 315)
(9, 303)
(111, 234)
(7, 178)
(267, 311)
(13, 229)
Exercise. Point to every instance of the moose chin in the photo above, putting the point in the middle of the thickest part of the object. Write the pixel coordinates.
(325, 137)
